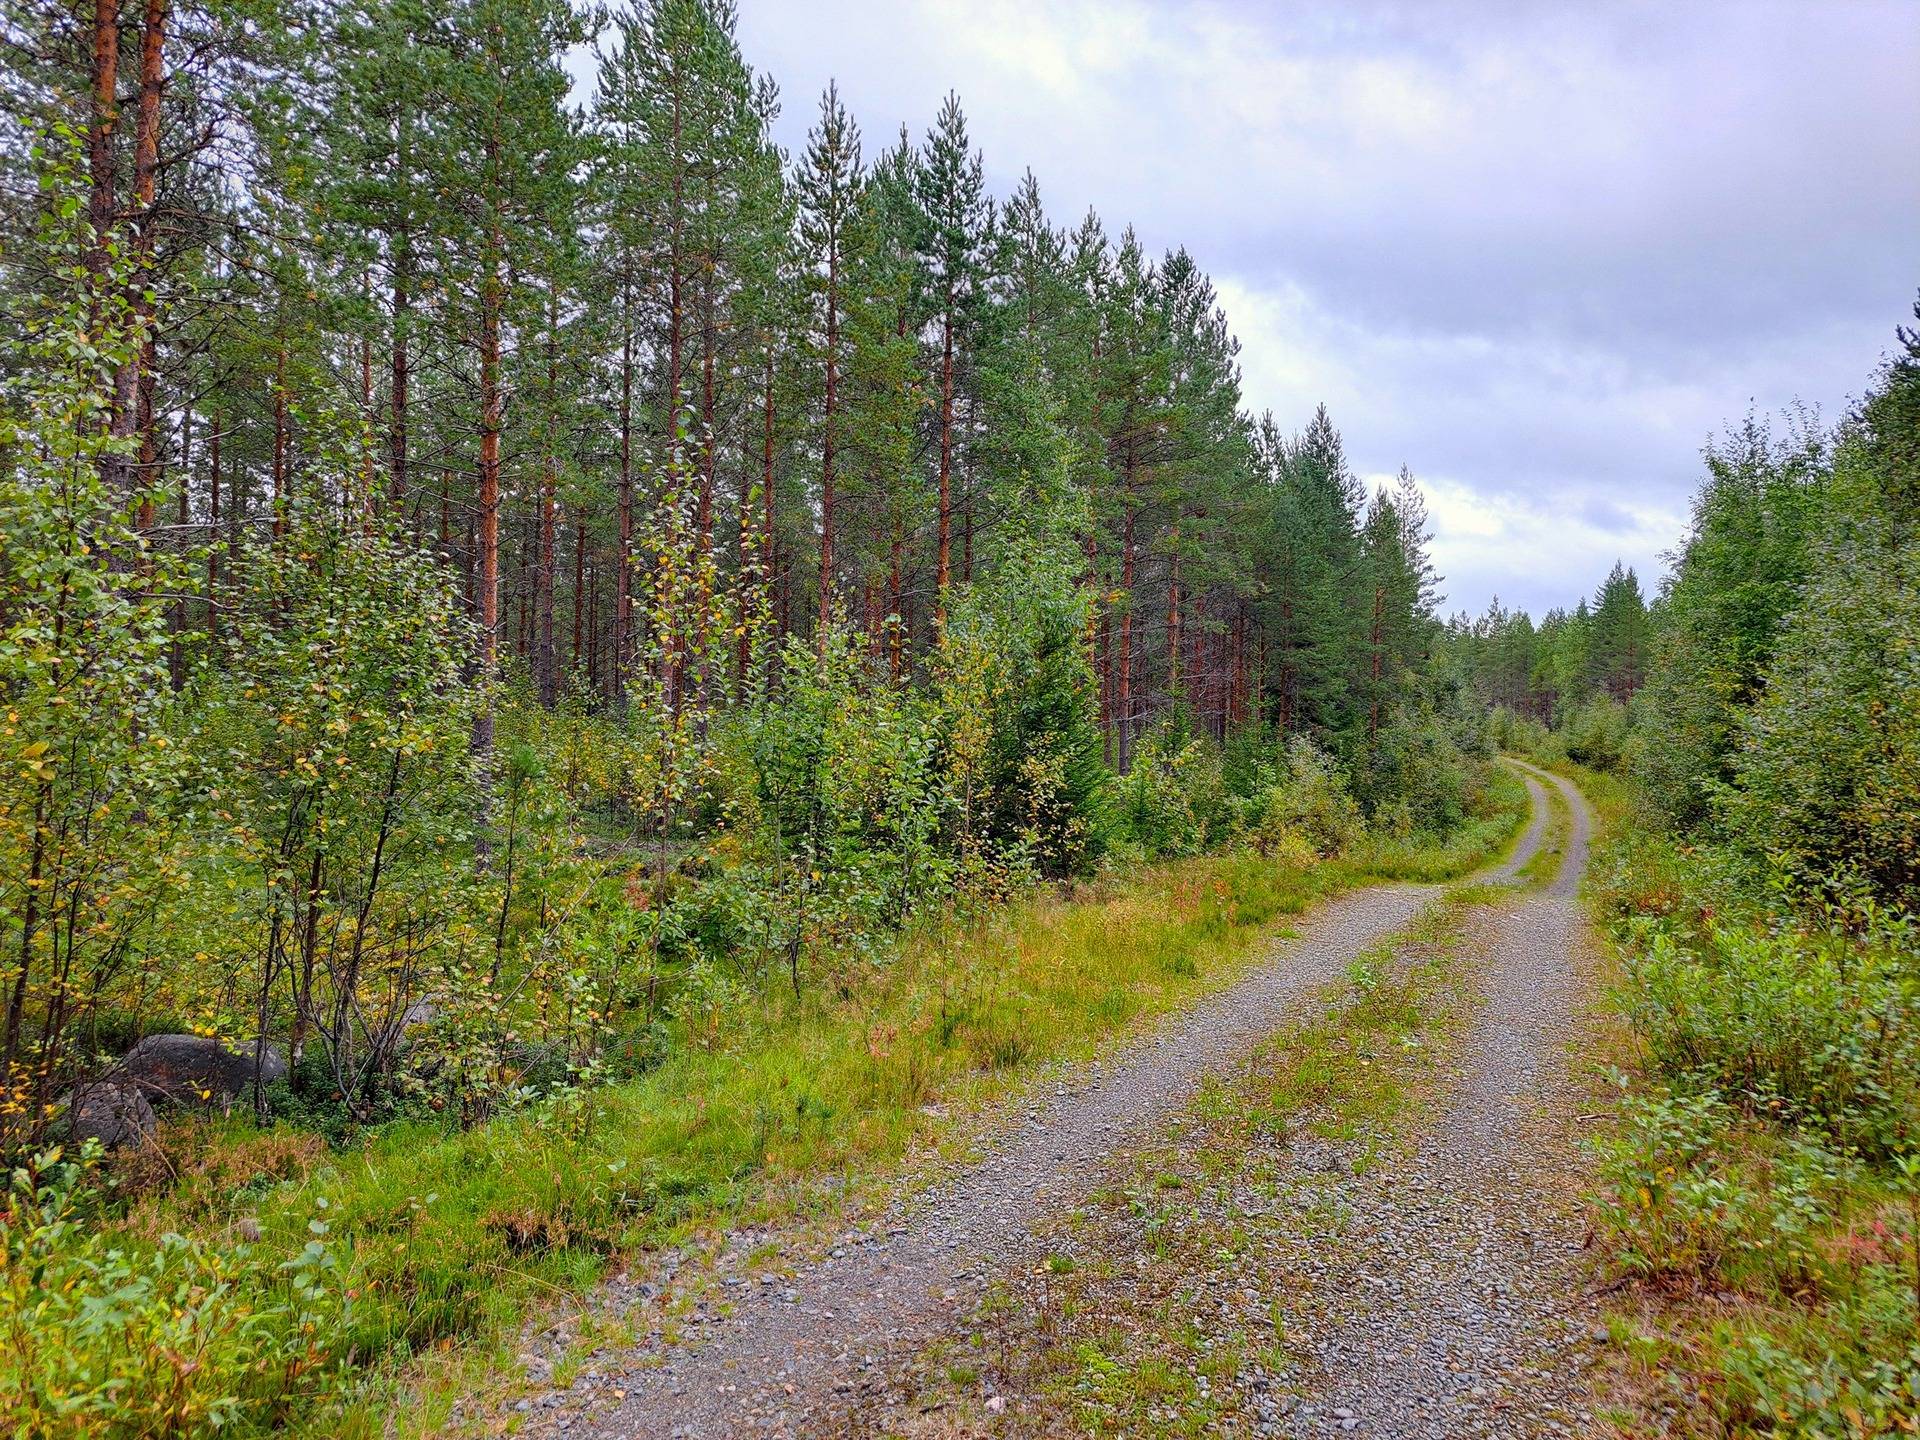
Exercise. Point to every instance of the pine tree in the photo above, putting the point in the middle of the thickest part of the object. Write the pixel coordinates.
(829, 188)
(510, 150)
(953, 247)
(1617, 654)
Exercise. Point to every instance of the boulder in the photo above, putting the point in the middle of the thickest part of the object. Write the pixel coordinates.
(111, 1113)
(196, 1069)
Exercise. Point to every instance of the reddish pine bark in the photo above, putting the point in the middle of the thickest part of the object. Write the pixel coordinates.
(1124, 699)
(213, 529)
(943, 568)
(400, 371)
(827, 441)
(133, 407)
(623, 550)
(488, 583)
(546, 661)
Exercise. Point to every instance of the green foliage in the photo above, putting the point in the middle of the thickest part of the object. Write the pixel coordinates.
(1047, 779)
(1784, 709)
(1310, 801)
(1416, 779)
(337, 798)
(1827, 771)
(1666, 1211)
(1170, 800)
(1689, 1197)
(1859, 1374)
(851, 802)
(1511, 733)
(1738, 577)
(87, 767)
(1825, 1031)
(108, 1337)
(1597, 735)
(1770, 1153)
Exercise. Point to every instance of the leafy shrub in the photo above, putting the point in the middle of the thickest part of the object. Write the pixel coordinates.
(1173, 799)
(1514, 734)
(1312, 801)
(1666, 1211)
(1596, 734)
(1823, 1031)
(106, 1338)
(1827, 774)
(1857, 1374)
(1417, 781)
(1694, 1192)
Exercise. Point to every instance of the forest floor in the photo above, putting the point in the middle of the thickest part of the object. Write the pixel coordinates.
(1338, 1196)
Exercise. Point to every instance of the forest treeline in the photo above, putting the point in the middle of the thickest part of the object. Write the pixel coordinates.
(491, 553)
(1767, 697)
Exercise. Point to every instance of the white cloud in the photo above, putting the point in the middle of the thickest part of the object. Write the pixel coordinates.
(1537, 252)
(1538, 555)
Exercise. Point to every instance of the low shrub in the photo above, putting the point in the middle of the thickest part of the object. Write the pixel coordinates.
(1773, 1153)
(103, 1336)
(1597, 734)
(1311, 802)
(1823, 1031)
(1691, 1193)
(1172, 799)
(1857, 1374)
(1511, 733)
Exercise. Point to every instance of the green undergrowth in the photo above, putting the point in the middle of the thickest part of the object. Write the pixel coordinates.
(1761, 1186)
(435, 1245)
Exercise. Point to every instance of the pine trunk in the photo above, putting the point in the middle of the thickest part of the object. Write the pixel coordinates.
(487, 583)
(943, 567)
(132, 383)
(623, 550)
(103, 120)
(546, 660)
(213, 529)
(401, 373)
(827, 442)
(1123, 703)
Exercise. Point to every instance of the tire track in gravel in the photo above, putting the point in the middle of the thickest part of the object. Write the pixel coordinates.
(788, 1352)
(1472, 1230)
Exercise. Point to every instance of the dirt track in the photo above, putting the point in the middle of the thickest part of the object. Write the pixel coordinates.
(792, 1355)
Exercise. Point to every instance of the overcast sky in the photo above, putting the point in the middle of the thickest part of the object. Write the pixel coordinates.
(1537, 252)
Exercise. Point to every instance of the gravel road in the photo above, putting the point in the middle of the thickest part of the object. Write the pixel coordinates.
(1486, 1333)
(786, 1352)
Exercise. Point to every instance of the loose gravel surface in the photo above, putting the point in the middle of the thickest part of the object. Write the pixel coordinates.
(788, 1353)
(1474, 1322)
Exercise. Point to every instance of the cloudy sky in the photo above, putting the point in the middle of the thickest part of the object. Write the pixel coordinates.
(1538, 252)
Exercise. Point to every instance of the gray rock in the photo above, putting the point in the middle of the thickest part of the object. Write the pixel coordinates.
(195, 1069)
(111, 1113)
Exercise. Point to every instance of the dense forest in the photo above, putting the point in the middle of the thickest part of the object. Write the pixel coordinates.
(431, 494)
(514, 587)
(1765, 698)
